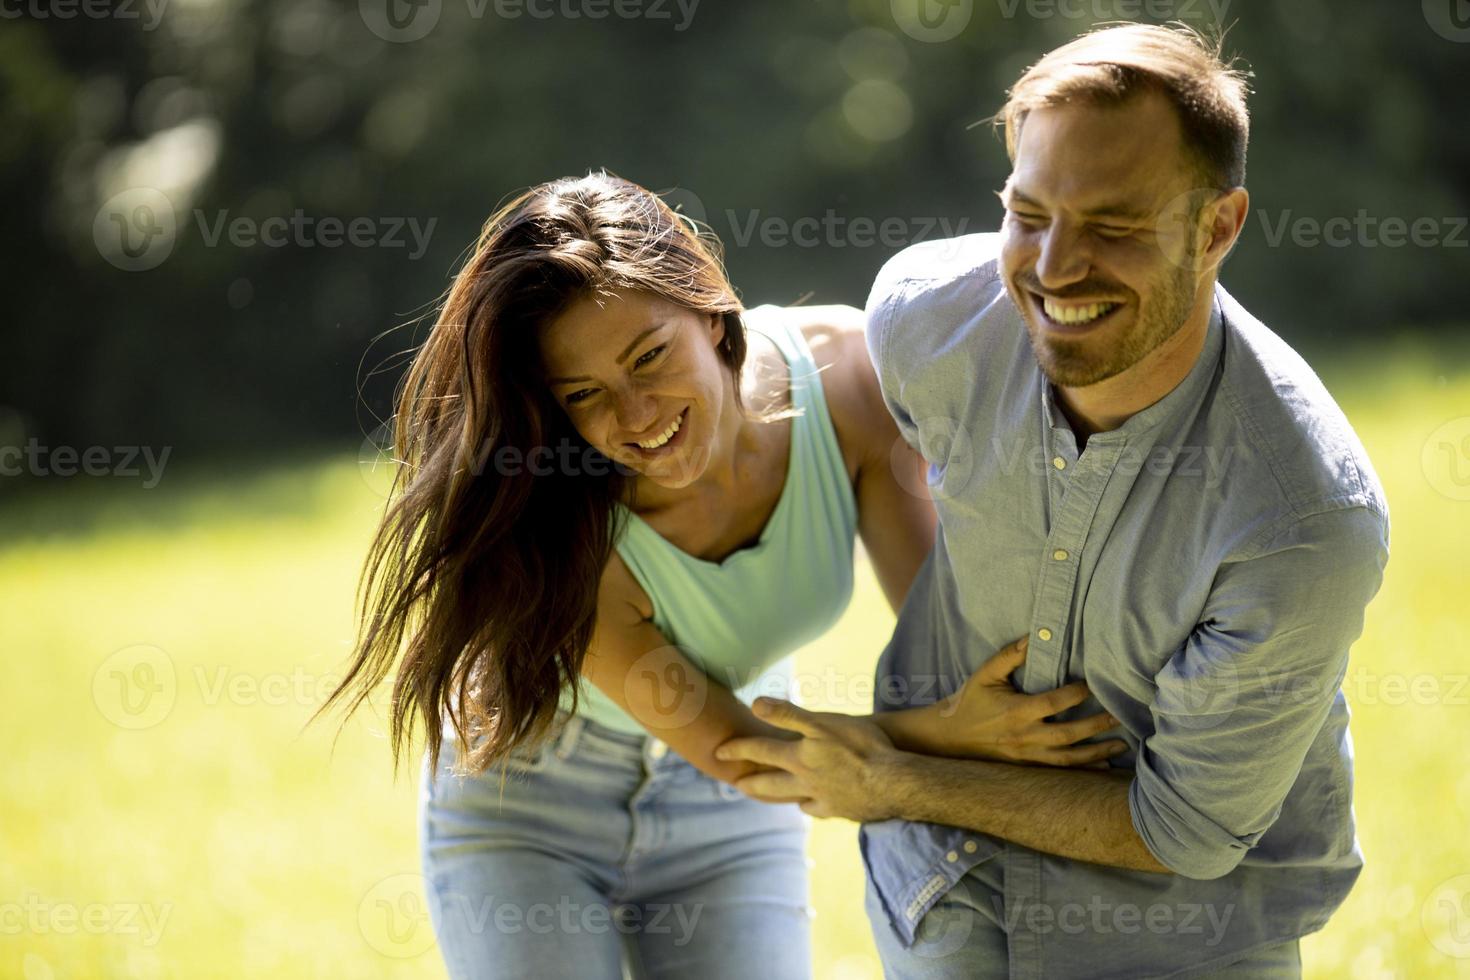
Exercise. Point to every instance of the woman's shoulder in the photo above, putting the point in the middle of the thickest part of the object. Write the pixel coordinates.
(621, 601)
(838, 344)
(829, 330)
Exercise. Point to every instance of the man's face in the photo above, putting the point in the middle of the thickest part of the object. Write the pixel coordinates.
(1093, 252)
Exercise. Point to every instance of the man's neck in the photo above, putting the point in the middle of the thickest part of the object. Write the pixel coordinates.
(1106, 405)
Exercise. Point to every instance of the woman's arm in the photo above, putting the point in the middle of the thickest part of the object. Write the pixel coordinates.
(896, 519)
(636, 666)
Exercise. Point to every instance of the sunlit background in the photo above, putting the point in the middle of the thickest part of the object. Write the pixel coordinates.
(213, 211)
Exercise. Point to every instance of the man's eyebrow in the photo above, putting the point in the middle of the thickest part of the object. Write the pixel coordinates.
(1010, 196)
(627, 351)
(1128, 212)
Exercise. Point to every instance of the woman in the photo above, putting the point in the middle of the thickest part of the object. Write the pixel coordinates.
(623, 501)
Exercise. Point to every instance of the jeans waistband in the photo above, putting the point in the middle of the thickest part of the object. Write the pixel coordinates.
(651, 752)
(570, 728)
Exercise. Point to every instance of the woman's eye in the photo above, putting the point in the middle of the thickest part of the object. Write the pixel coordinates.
(578, 396)
(647, 358)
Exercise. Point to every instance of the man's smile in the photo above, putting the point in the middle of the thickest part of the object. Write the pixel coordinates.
(1072, 316)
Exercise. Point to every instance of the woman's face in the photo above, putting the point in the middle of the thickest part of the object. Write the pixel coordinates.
(641, 380)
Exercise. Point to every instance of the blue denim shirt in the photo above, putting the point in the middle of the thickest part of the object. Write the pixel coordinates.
(1204, 568)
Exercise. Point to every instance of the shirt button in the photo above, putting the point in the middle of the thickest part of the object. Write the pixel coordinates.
(951, 857)
(1060, 554)
(658, 748)
(1043, 634)
(971, 847)
(1058, 462)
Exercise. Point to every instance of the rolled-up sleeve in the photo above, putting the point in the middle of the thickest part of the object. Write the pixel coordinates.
(1239, 705)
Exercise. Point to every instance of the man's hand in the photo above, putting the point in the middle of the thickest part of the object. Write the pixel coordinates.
(989, 719)
(834, 770)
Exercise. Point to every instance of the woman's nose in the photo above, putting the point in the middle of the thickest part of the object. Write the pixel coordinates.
(635, 411)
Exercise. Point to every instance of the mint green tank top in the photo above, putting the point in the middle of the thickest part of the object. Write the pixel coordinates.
(740, 619)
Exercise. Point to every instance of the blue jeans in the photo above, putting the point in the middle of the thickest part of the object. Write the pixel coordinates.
(962, 937)
(606, 855)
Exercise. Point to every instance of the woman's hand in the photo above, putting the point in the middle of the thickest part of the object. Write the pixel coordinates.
(989, 719)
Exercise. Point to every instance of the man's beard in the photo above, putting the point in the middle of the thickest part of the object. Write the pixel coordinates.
(1078, 362)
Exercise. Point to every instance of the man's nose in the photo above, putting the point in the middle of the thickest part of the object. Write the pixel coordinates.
(1064, 258)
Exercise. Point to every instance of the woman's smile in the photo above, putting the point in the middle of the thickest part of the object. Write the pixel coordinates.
(666, 441)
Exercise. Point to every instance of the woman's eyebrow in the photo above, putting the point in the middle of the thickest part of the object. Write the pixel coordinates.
(638, 340)
(577, 379)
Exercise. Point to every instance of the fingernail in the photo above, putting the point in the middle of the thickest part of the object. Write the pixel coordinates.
(722, 755)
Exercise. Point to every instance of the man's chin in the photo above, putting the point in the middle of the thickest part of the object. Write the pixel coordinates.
(1067, 364)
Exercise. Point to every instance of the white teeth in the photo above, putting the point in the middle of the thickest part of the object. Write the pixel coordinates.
(666, 436)
(1076, 314)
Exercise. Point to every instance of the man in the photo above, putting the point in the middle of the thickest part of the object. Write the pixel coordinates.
(1160, 495)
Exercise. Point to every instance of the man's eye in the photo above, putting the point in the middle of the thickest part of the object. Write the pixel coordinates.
(1028, 219)
(647, 358)
(1113, 231)
(580, 395)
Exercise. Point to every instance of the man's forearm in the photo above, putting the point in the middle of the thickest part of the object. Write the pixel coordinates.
(1074, 813)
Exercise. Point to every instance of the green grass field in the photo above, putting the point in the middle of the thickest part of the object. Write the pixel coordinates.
(163, 815)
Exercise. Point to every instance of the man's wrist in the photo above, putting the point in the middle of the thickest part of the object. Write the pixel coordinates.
(917, 730)
(888, 781)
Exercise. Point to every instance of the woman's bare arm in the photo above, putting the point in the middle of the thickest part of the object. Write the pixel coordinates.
(896, 519)
(635, 665)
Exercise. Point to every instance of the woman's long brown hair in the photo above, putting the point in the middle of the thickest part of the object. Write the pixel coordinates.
(483, 575)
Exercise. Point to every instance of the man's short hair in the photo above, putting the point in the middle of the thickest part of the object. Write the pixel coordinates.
(1110, 65)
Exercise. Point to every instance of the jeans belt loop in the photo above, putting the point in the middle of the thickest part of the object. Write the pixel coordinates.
(566, 744)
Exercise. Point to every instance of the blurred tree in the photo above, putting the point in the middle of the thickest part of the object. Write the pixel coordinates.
(815, 139)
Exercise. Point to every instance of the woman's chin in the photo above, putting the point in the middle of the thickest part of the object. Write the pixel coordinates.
(670, 475)
(672, 472)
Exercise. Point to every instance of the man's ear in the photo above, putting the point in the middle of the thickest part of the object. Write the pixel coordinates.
(1227, 218)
